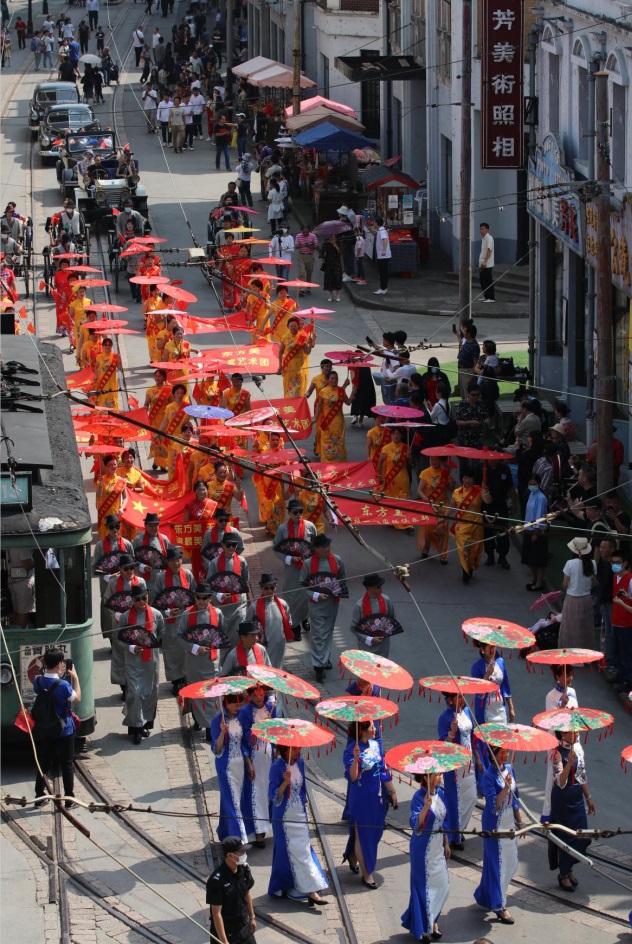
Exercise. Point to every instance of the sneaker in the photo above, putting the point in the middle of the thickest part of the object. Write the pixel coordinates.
(169, 144)
(207, 139)
(379, 291)
(347, 278)
(489, 301)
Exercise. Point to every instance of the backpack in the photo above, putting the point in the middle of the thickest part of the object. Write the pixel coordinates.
(47, 723)
(34, 45)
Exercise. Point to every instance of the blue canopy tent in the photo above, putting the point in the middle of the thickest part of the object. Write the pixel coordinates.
(329, 137)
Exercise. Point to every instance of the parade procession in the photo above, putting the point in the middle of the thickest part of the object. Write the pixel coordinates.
(316, 607)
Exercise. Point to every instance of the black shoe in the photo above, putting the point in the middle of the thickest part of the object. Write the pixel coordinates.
(503, 920)
(138, 737)
(196, 726)
(40, 801)
(297, 633)
(306, 626)
(329, 666)
(320, 674)
(145, 733)
(565, 888)
(490, 562)
(70, 804)
(466, 576)
(372, 885)
(504, 563)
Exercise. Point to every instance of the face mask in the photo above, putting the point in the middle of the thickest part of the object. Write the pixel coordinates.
(616, 568)
(533, 488)
(128, 209)
(434, 370)
(242, 859)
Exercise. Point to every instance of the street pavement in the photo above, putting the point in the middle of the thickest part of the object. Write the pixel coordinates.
(185, 187)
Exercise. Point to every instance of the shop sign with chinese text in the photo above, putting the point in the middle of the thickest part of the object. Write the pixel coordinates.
(550, 198)
(502, 80)
(620, 244)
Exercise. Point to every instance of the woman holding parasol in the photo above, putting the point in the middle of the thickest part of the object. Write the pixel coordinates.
(260, 707)
(393, 471)
(328, 416)
(366, 772)
(232, 761)
(468, 528)
(490, 708)
(269, 489)
(295, 868)
(570, 796)
(157, 399)
(455, 726)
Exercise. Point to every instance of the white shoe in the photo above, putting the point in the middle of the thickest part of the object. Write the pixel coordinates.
(207, 139)
(489, 301)
(169, 144)
(347, 278)
(380, 291)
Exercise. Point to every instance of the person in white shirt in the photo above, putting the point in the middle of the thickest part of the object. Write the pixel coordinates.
(282, 246)
(138, 41)
(489, 359)
(48, 25)
(150, 104)
(68, 30)
(162, 115)
(155, 37)
(486, 264)
(188, 123)
(245, 168)
(198, 106)
(382, 254)
(402, 370)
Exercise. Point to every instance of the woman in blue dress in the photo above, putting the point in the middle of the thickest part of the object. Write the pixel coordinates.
(570, 795)
(358, 688)
(296, 871)
(459, 786)
(260, 707)
(232, 762)
(491, 708)
(500, 856)
(367, 773)
(429, 854)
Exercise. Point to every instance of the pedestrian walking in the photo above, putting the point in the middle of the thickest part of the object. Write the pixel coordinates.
(141, 667)
(245, 168)
(486, 264)
(92, 7)
(46, 49)
(20, 29)
(222, 132)
(176, 125)
(198, 107)
(275, 205)
(469, 353)
(382, 254)
(306, 245)
(295, 528)
(429, 854)
(138, 41)
(149, 98)
(162, 115)
(331, 266)
(83, 31)
(228, 894)
(56, 691)
(37, 48)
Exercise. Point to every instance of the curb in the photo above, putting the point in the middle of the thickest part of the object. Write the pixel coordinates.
(362, 301)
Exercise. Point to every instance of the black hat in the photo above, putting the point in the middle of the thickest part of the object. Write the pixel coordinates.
(203, 589)
(294, 503)
(230, 538)
(247, 628)
(112, 519)
(373, 580)
(126, 559)
(321, 540)
(232, 844)
(174, 553)
(221, 513)
(152, 518)
(267, 578)
(138, 592)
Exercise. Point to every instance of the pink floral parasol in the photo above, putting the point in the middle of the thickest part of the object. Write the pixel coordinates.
(397, 412)
(427, 757)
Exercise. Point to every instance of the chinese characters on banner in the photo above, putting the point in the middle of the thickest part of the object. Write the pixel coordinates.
(620, 243)
(502, 79)
(296, 415)
(187, 536)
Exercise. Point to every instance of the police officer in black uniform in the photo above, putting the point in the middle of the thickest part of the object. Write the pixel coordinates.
(228, 894)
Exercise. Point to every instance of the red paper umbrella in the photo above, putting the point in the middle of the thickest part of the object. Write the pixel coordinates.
(90, 283)
(264, 429)
(459, 685)
(468, 452)
(310, 317)
(82, 268)
(350, 708)
(69, 255)
(108, 325)
(442, 451)
(545, 600)
(272, 260)
(397, 412)
(516, 737)
(574, 719)
(292, 732)
(500, 632)
(149, 279)
(132, 250)
(248, 210)
(100, 449)
(311, 312)
(148, 240)
(409, 425)
(282, 681)
(266, 458)
(626, 757)
(376, 669)
(566, 657)
(349, 357)
(181, 294)
(217, 687)
(222, 432)
(118, 331)
(298, 283)
(105, 307)
(252, 416)
(427, 757)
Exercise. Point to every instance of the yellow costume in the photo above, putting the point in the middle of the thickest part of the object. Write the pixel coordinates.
(134, 478)
(269, 494)
(333, 444)
(77, 311)
(206, 393)
(177, 351)
(257, 314)
(436, 485)
(468, 526)
(155, 324)
(221, 493)
(318, 382)
(89, 352)
(396, 482)
(295, 365)
(377, 438)
(110, 492)
(107, 382)
(280, 315)
(313, 504)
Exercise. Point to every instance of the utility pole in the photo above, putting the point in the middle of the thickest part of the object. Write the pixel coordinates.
(465, 247)
(605, 348)
(230, 10)
(534, 37)
(296, 59)
(593, 68)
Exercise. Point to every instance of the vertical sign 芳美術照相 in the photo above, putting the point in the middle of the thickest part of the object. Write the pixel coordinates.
(502, 81)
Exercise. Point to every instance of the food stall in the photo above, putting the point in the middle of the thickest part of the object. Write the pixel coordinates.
(391, 195)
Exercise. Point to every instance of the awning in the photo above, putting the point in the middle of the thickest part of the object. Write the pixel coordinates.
(316, 116)
(397, 68)
(385, 176)
(278, 76)
(320, 101)
(329, 137)
(254, 65)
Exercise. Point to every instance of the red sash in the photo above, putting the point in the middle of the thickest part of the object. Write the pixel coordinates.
(260, 610)
(110, 498)
(314, 513)
(242, 655)
(157, 405)
(465, 504)
(270, 488)
(396, 468)
(226, 495)
(328, 417)
(300, 535)
(240, 402)
(109, 373)
(134, 581)
(221, 565)
(193, 621)
(215, 538)
(178, 417)
(367, 609)
(314, 566)
(149, 626)
(159, 538)
(199, 393)
(108, 546)
(384, 440)
(285, 309)
(290, 354)
(439, 490)
(182, 574)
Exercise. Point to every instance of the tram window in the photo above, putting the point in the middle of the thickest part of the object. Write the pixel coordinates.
(18, 586)
(48, 576)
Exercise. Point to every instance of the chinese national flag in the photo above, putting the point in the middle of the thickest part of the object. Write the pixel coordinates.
(234, 322)
(263, 359)
(295, 414)
(80, 379)
(139, 505)
(386, 511)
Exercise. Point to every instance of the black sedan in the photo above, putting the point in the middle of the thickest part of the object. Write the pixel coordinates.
(60, 119)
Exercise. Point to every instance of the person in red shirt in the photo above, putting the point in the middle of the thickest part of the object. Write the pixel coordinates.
(20, 29)
(617, 456)
(621, 621)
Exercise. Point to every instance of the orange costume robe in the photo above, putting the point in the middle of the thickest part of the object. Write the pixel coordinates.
(109, 502)
(280, 316)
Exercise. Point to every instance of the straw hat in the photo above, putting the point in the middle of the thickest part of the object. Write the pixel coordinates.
(580, 546)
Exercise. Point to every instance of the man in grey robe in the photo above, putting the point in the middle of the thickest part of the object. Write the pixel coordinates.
(199, 664)
(113, 542)
(141, 667)
(374, 602)
(172, 652)
(216, 533)
(151, 537)
(273, 629)
(126, 579)
(296, 599)
(323, 607)
(233, 606)
(247, 652)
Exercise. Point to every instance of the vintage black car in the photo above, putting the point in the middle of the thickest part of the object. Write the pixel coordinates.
(46, 95)
(58, 120)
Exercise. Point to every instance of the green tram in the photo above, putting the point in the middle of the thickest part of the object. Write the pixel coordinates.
(45, 532)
